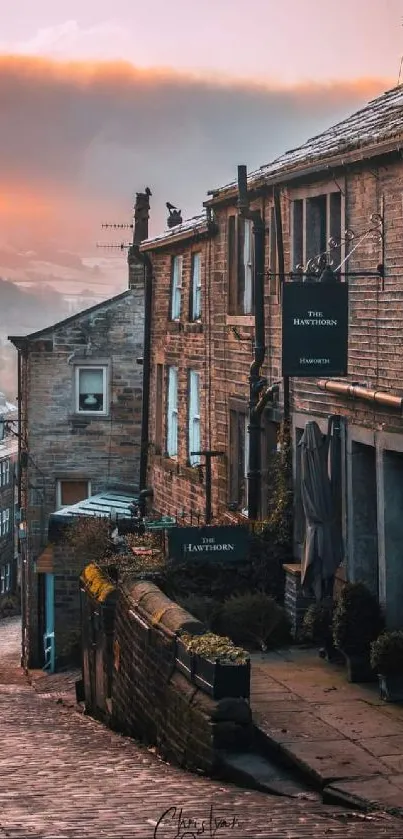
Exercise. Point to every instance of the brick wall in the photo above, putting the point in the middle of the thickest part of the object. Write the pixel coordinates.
(152, 700)
(221, 349)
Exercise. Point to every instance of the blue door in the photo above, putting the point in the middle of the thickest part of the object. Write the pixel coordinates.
(49, 636)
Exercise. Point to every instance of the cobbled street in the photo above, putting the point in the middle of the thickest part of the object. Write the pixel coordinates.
(65, 775)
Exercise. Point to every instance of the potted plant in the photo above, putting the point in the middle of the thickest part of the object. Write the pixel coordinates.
(356, 623)
(317, 627)
(387, 661)
(216, 665)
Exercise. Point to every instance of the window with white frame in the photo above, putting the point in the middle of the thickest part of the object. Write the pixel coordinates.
(316, 219)
(195, 303)
(176, 295)
(240, 258)
(239, 457)
(194, 440)
(5, 522)
(91, 390)
(172, 412)
(5, 578)
(5, 472)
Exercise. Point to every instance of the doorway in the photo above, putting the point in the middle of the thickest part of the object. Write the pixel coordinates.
(364, 515)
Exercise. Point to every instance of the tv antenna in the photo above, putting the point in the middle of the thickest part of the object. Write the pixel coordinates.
(122, 246)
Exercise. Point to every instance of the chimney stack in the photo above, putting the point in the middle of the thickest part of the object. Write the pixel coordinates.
(140, 232)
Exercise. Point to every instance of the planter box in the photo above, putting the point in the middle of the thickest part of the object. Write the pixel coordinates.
(222, 680)
(359, 669)
(184, 660)
(391, 688)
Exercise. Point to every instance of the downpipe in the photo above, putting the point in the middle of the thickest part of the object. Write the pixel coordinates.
(256, 381)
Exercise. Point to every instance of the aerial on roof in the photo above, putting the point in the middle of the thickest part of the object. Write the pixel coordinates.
(378, 121)
(189, 227)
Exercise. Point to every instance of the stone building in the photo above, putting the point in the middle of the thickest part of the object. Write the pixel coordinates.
(80, 399)
(9, 570)
(336, 200)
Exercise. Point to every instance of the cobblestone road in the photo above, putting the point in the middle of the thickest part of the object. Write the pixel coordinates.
(65, 775)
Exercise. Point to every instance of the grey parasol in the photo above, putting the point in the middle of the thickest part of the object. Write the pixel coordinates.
(322, 552)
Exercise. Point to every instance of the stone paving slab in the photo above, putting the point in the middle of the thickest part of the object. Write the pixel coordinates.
(357, 720)
(376, 792)
(336, 732)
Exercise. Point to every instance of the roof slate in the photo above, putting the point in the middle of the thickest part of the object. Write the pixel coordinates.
(379, 120)
(191, 225)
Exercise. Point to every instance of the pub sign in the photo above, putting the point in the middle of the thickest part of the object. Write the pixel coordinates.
(212, 544)
(315, 329)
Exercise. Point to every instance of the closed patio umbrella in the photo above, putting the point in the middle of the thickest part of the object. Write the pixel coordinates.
(322, 552)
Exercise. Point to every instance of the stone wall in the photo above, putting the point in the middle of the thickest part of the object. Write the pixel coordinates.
(63, 445)
(152, 700)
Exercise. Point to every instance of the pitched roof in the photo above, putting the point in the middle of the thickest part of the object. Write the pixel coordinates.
(189, 228)
(18, 340)
(366, 132)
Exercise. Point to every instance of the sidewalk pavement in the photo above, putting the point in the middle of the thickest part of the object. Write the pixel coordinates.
(343, 737)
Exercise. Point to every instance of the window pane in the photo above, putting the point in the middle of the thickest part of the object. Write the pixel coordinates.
(194, 416)
(176, 287)
(196, 287)
(90, 389)
(172, 413)
(248, 267)
(71, 492)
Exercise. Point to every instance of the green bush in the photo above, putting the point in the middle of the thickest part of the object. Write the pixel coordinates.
(202, 608)
(387, 654)
(357, 620)
(317, 623)
(214, 647)
(253, 619)
(9, 606)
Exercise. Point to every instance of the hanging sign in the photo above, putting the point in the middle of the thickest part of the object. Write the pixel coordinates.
(315, 329)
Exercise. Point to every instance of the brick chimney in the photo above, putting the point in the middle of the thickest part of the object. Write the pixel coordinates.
(140, 232)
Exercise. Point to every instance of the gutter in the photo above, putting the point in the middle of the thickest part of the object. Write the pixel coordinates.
(351, 391)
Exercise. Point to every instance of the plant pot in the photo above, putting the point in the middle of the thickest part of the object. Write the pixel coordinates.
(184, 660)
(221, 680)
(359, 668)
(391, 687)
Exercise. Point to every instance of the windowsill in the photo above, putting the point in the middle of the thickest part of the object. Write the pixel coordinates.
(86, 418)
(240, 320)
(174, 326)
(194, 327)
(171, 464)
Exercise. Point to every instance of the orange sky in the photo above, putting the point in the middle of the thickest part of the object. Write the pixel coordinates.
(78, 140)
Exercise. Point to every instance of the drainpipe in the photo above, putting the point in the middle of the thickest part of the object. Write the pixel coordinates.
(145, 260)
(256, 381)
(352, 391)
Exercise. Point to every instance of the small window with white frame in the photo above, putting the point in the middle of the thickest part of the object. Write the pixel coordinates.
(172, 412)
(5, 472)
(195, 299)
(5, 522)
(176, 295)
(5, 578)
(91, 390)
(194, 440)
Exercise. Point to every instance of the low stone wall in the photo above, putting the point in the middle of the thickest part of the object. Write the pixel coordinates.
(152, 700)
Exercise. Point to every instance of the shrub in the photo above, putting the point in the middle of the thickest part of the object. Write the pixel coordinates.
(317, 623)
(202, 608)
(254, 619)
(387, 654)
(9, 606)
(356, 620)
(90, 538)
